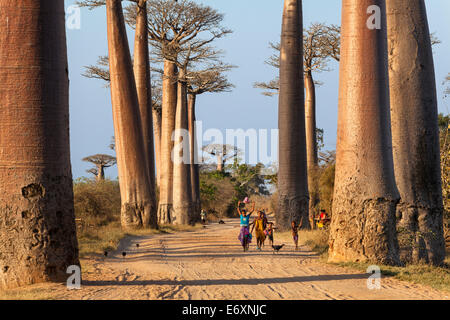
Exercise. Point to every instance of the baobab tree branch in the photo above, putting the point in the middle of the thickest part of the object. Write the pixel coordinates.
(320, 43)
(173, 28)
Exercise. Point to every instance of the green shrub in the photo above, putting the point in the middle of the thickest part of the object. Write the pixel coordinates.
(96, 203)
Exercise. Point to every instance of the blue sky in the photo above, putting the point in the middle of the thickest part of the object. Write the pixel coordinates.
(255, 23)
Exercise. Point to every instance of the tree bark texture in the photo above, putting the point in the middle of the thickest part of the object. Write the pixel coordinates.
(415, 133)
(144, 93)
(134, 182)
(37, 222)
(365, 194)
(182, 191)
(311, 143)
(195, 174)
(292, 174)
(156, 113)
(169, 106)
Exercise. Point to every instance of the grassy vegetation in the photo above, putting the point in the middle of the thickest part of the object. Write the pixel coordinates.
(435, 277)
(316, 240)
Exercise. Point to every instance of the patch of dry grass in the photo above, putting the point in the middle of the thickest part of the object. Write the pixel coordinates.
(107, 237)
(25, 294)
(435, 277)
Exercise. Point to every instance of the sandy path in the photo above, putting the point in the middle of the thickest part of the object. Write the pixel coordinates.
(210, 264)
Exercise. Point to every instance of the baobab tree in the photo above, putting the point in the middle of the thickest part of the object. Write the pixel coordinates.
(101, 161)
(37, 223)
(292, 174)
(222, 153)
(415, 132)
(209, 80)
(142, 76)
(365, 194)
(157, 119)
(320, 44)
(137, 194)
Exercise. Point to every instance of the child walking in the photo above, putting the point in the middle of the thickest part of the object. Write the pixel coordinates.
(294, 229)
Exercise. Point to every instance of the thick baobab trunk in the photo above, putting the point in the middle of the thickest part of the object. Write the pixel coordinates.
(134, 183)
(37, 223)
(292, 174)
(415, 133)
(195, 175)
(157, 139)
(365, 195)
(182, 192)
(169, 106)
(144, 93)
(311, 143)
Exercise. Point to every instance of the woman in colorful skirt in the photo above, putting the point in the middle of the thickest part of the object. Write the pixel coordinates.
(259, 226)
(245, 236)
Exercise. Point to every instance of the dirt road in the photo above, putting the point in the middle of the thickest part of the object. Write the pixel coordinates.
(210, 264)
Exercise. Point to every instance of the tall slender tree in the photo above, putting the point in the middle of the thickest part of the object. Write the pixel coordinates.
(210, 80)
(320, 43)
(135, 189)
(415, 133)
(292, 174)
(365, 194)
(183, 208)
(144, 92)
(157, 119)
(37, 223)
(169, 106)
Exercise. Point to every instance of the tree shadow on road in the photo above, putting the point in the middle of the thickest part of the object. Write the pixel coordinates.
(218, 282)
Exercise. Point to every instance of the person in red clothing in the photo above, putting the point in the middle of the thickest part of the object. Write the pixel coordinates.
(323, 219)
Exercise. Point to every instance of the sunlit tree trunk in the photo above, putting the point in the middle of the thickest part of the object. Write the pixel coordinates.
(131, 160)
(292, 174)
(182, 192)
(144, 93)
(169, 105)
(195, 178)
(415, 133)
(311, 143)
(100, 173)
(220, 164)
(365, 195)
(157, 139)
(37, 224)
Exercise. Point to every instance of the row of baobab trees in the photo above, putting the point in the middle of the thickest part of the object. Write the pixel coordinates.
(388, 177)
(180, 34)
(37, 224)
(387, 167)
